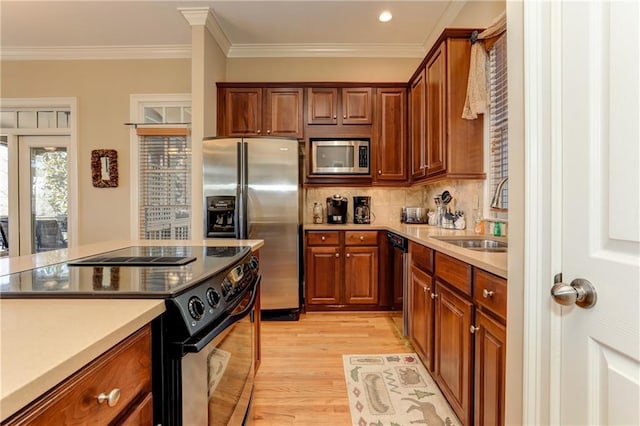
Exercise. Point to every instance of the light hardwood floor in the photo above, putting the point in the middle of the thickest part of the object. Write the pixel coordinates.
(301, 379)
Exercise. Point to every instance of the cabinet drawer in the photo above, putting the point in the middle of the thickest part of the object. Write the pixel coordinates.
(490, 291)
(127, 367)
(361, 238)
(323, 238)
(421, 256)
(454, 272)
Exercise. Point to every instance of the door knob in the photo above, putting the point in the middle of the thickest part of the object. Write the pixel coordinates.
(580, 291)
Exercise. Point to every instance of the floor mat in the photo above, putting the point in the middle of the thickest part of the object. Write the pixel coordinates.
(394, 390)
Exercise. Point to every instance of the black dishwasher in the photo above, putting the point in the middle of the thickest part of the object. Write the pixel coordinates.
(398, 265)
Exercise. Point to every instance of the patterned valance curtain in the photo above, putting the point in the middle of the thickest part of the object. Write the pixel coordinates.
(476, 100)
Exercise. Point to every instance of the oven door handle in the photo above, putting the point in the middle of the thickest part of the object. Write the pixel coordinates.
(228, 322)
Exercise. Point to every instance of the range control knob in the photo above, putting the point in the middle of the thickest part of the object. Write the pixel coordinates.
(213, 297)
(196, 308)
(253, 263)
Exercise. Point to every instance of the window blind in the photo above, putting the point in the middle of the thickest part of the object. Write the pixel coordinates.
(165, 184)
(498, 108)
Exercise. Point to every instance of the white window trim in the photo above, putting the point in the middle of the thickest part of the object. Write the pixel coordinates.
(137, 103)
(72, 151)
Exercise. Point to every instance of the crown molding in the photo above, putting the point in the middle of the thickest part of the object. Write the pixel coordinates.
(340, 50)
(204, 16)
(179, 51)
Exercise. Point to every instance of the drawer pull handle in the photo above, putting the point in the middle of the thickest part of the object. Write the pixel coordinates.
(487, 293)
(112, 398)
(473, 329)
(323, 238)
(361, 238)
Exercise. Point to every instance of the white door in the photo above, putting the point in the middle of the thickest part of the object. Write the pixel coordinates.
(600, 132)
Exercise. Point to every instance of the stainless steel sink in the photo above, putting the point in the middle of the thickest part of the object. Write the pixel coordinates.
(478, 244)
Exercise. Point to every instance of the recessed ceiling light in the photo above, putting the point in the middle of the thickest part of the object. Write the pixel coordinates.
(385, 16)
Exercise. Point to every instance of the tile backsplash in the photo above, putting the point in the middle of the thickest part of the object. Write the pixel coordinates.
(387, 202)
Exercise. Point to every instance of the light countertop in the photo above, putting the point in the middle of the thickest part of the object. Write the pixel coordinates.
(44, 341)
(495, 263)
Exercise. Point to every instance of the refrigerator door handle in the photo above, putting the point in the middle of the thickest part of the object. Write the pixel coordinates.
(241, 208)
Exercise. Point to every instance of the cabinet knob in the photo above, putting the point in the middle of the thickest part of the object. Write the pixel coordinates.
(361, 238)
(487, 293)
(344, 116)
(259, 131)
(323, 238)
(337, 254)
(268, 132)
(433, 295)
(348, 254)
(473, 329)
(335, 117)
(379, 172)
(112, 397)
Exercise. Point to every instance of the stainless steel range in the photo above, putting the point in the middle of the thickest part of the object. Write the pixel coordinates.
(202, 345)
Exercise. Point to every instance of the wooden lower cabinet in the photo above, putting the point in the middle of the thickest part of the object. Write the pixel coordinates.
(361, 275)
(490, 351)
(454, 350)
(421, 314)
(126, 367)
(322, 276)
(341, 270)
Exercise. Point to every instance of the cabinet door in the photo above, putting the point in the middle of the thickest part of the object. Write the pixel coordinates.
(141, 414)
(489, 371)
(436, 111)
(421, 314)
(361, 275)
(323, 275)
(391, 148)
(283, 112)
(322, 105)
(356, 105)
(243, 111)
(417, 126)
(453, 345)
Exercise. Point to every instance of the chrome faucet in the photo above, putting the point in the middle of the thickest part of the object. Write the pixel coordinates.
(496, 201)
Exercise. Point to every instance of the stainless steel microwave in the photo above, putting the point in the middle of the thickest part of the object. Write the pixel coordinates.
(340, 156)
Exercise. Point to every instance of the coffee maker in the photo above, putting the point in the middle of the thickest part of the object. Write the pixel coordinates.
(337, 209)
(361, 209)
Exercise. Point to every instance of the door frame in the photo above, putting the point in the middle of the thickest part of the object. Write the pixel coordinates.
(535, 29)
(71, 132)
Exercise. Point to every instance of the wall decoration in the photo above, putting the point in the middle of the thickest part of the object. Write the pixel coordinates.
(104, 168)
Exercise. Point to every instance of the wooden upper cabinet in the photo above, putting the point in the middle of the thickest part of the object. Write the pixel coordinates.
(322, 105)
(261, 112)
(355, 106)
(436, 103)
(242, 112)
(391, 135)
(283, 112)
(443, 144)
(417, 125)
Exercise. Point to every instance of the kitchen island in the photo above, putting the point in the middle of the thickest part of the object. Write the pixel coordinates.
(44, 341)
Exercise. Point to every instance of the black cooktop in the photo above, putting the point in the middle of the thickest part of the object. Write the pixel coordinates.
(132, 272)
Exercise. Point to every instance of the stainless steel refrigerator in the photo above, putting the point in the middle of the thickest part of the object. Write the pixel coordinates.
(252, 191)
